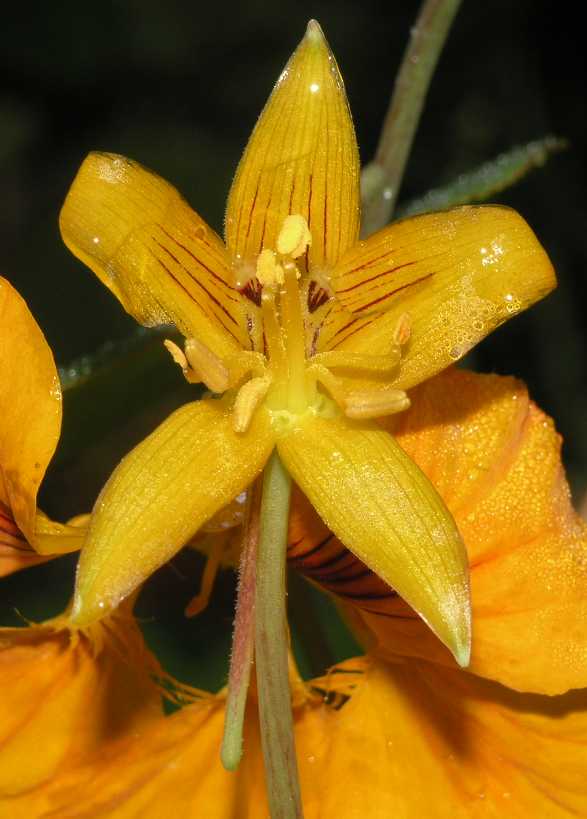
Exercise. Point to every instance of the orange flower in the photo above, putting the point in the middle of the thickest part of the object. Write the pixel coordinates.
(495, 459)
(66, 694)
(409, 739)
(403, 732)
(30, 409)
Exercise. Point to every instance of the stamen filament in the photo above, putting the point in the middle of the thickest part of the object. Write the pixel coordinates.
(293, 323)
(271, 647)
(272, 330)
(199, 602)
(359, 361)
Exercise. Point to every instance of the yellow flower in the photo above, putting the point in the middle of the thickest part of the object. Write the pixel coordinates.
(309, 334)
(30, 409)
(403, 732)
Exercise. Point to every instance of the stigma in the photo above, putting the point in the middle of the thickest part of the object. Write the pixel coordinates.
(285, 377)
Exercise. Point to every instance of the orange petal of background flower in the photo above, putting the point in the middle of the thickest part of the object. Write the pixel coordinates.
(458, 274)
(157, 256)
(190, 467)
(414, 741)
(30, 409)
(302, 158)
(417, 740)
(495, 460)
(65, 696)
(383, 508)
(15, 551)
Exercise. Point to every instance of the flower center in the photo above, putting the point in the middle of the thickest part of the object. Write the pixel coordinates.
(285, 378)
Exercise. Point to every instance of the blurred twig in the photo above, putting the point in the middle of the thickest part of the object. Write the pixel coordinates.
(382, 178)
(487, 180)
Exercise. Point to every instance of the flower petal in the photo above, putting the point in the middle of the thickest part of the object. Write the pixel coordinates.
(65, 696)
(155, 254)
(30, 407)
(376, 500)
(317, 553)
(457, 274)
(15, 551)
(302, 158)
(410, 741)
(424, 741)
(495, 460)
(160, 495)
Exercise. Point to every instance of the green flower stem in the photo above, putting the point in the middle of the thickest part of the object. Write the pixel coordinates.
(489, 179)
(243, 642)
(271, 647)
(382, 178)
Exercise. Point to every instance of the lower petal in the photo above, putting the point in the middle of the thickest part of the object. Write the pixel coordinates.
(160, 495)
(383, 508)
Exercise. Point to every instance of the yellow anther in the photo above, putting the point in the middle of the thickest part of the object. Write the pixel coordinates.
(177, 354)
(374, 404)
(403, 330)
(248, 399)
(211, 370)
(294, 237)
(269, 271)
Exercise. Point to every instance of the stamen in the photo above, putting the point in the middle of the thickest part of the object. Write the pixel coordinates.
(199, 602)
(333, 384)
(359, 361)
(207, 365)
(248, 399)
(374, 404)
(294, 237)
(403, 330)
(243, 363)
(178, 356)
(269, 271)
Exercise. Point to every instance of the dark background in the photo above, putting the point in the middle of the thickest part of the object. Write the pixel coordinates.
(178, 86)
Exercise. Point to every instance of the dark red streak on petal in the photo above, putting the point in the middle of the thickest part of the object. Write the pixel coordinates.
(218, 278)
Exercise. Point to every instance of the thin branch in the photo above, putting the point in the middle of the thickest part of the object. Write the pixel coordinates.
(383, 177)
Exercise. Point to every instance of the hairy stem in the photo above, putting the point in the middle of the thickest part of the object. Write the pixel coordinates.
(382, 177)
(243, 641)
(271, 647)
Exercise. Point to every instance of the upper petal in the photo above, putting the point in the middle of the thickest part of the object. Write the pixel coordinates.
(160, 495)
(381, 506)
(457, 274)
(155, 254)
(302, 158)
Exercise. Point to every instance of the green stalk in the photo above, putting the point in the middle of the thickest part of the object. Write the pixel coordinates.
(271, 647)
(382, 178)
(243, 641)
